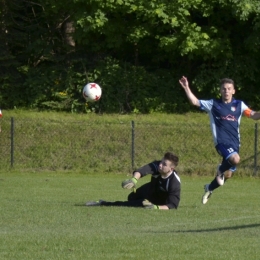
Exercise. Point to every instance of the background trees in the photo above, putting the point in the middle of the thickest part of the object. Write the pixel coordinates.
(135, 49)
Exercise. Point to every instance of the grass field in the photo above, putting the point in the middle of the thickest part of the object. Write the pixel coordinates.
(43, 217)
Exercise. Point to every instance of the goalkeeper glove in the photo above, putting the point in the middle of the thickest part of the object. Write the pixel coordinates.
(129, 183)
(149, 205)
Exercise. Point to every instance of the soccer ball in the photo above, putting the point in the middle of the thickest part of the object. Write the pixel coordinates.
(92, 92)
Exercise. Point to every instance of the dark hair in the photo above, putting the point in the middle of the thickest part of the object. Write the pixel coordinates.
(171, 157)
(228, 81)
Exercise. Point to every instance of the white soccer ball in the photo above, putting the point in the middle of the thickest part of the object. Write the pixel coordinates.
(92, 92)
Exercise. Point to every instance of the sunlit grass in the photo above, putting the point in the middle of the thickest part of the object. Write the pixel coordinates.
(43, 217)
(158, 118)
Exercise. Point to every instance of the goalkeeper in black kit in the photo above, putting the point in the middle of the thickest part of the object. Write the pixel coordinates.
(162, 192)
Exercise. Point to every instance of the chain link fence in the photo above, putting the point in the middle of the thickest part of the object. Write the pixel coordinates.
(37, 145)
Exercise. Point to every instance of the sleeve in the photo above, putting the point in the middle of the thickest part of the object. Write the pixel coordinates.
(150, 168)
(246, 111)
(206, 105)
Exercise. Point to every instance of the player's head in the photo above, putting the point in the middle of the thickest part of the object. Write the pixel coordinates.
(168, 163)
(227, 89)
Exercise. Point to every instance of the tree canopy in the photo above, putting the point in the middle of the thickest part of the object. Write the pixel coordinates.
(136, 50)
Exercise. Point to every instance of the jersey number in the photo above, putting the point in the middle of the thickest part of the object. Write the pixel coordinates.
(230, 150)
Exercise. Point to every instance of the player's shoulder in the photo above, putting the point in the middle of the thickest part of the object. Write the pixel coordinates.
(154, 165)
(175, 177)
(206, 105)
(237, 101)
(216, 100)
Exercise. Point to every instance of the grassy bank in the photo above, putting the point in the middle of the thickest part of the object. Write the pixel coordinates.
(48, 141)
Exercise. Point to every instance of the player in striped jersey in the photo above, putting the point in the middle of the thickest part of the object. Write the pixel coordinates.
(225, 115)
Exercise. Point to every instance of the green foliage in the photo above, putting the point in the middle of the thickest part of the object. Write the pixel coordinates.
(128, 88)
(136, 50)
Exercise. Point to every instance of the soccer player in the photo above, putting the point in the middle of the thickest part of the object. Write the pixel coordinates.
(225, 115)
(162, 192)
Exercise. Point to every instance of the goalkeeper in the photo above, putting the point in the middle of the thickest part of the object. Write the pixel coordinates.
(162, 192)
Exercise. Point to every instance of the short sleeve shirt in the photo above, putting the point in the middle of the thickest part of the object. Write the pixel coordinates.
(225, 119)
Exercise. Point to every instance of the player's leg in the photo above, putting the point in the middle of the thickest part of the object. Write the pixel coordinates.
(228, 166)
(206, 194)
(140, 193)
(131, 203)
(135, 199)
(228, 174)
(218, 181)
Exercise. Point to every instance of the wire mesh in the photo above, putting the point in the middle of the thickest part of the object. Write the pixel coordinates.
(108, 147)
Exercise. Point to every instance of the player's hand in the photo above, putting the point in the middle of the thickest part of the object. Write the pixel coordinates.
(129, 183)
(184, 82)
(149, 205)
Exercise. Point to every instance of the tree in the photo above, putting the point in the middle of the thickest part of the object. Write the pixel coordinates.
(136, 50)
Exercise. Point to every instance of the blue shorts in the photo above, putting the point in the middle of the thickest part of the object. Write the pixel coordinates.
(226, 150)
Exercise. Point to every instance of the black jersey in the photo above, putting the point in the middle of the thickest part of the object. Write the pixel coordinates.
(162, 191)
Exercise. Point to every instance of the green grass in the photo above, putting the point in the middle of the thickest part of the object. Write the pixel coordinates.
(48, 141)
(42, 217)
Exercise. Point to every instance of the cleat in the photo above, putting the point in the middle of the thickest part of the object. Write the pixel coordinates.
(95, 203)
(220, 177)
(206, 195)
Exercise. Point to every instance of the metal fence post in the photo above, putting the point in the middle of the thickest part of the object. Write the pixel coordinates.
(12, 141)
(133, 144)
(256, 143)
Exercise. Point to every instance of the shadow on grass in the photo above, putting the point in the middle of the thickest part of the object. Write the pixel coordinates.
(210, 229)
(134, 204)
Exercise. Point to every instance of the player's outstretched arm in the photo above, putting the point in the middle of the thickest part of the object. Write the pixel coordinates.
(131, 183)
(255, 115)
(185, 84)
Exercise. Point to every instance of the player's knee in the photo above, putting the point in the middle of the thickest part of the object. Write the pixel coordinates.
(228, 174)
(131, 196)
(234, 160)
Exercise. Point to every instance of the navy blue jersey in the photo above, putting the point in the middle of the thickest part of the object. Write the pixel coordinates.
(162, 191)
(224, 120)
